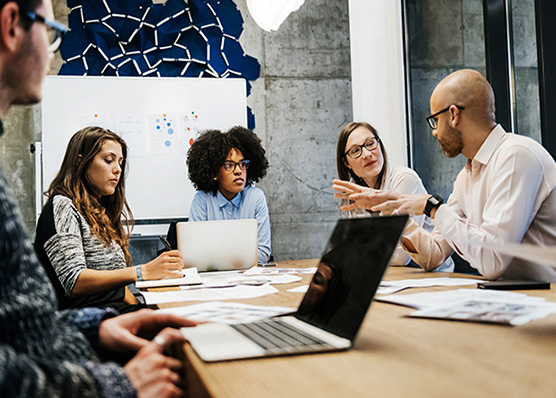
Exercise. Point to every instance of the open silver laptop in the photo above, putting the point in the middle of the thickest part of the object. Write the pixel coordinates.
(333, 308)
(218, 245)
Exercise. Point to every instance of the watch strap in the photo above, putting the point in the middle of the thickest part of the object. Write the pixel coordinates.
(433, 202)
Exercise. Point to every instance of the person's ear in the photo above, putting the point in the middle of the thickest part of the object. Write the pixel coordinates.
(454, 116)
(347, 164)
(11, 30)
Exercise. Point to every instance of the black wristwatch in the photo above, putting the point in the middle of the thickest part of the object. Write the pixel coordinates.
(433, 202)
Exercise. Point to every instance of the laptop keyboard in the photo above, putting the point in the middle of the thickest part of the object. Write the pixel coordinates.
(275, 335)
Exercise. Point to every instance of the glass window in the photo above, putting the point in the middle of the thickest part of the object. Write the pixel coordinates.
(443, 36)
(526, 74)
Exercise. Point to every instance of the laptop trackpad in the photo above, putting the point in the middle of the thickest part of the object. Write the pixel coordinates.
(217, 342)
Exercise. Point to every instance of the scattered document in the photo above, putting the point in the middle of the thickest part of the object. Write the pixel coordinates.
(279, 271)
(227, 293)
(299, 289)
(218, 278)
(190, 277)
(435, 299)
(389, 287)
(227, 312)
(271, 279)
(489, 311)
(234, 278)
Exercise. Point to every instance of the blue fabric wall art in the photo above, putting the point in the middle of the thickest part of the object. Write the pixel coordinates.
(193, 38)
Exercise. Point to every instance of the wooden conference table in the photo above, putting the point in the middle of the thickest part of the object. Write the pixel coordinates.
(394, 356)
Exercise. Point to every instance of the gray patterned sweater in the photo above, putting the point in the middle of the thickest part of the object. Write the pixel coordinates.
(65, 243)
(44, 352)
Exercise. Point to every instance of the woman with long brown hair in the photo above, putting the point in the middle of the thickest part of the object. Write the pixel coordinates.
(80, 237)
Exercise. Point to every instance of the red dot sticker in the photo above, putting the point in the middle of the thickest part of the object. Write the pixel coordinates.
(191, 141)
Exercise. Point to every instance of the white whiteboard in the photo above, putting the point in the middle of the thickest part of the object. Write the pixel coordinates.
(156, 116)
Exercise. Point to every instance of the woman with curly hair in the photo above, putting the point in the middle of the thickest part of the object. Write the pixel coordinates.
(223, 168)
(80, 236)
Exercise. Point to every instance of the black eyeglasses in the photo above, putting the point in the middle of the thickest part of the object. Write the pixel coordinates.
(55, 29)
(356, 151)
(431, 120)
(230, 165)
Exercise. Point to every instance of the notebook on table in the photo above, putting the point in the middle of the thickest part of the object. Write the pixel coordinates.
(218, 245)
(333, 308)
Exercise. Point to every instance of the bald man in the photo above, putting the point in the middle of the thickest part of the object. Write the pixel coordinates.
(505, 193)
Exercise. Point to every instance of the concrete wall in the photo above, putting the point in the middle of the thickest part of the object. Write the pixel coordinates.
(21, 129)
(301, 102)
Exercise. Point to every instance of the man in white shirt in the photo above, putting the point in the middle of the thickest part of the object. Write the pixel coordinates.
(505, 193)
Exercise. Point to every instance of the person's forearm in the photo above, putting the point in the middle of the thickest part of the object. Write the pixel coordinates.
(399, 257)
(423, 248)
(263, 254)
(472, 245)
(92, 281)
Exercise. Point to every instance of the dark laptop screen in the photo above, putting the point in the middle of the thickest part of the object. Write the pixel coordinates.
(349, 273)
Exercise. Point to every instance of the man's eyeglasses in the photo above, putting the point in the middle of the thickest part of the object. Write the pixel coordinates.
(55, 29)
(230, 165)
(431, 120)
(355, 151)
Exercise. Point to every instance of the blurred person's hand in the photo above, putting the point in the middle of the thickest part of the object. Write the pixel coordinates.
(153, 374)
(133, 331)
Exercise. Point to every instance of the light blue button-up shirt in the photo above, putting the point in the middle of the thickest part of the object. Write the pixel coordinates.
(249, 203)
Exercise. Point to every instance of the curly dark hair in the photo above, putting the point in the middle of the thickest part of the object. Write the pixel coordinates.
(210, 150)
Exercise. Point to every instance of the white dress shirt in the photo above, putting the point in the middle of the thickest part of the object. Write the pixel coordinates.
(505, 194)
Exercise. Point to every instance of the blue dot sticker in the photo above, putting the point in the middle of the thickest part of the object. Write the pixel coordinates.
(170, 131)
(158, 127)
(167, 143)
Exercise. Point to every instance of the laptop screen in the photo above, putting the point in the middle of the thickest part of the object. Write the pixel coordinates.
(349, 273)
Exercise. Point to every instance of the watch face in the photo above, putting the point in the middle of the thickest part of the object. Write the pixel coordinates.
(432, 202)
